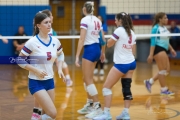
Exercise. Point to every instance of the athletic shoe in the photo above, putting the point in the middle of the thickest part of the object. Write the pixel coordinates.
(95, 71)
(103, 116)
(123, 116)
(101, 72)
(96, 111)
(148, 85)
(167, 92)
(35, 116)
(86, 109)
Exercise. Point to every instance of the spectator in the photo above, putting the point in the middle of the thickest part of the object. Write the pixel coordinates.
(174, 40)
(19, 43)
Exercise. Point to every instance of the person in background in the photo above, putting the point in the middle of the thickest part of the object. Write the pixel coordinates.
(19, 43)
(102, 45)
(174, 40)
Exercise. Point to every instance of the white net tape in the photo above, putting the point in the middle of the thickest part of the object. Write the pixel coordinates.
(139, 36)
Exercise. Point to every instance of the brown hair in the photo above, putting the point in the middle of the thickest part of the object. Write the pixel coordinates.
(126, 22)
(39, 17)
(89, 7)
(47, 12)
(158, 16)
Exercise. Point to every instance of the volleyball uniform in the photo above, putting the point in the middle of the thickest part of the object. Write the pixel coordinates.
(161, 43)
(93, 26)
(123, 55)
(45, 54)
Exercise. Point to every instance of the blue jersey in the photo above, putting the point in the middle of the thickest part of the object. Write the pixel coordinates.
(162, 41)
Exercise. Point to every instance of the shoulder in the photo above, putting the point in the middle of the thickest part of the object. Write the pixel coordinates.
(155, 26)
(84, 19)
(55, 39)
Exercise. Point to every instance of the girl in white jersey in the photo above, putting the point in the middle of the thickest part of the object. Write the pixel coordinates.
(89, 34)
(158, 51)
(45, 49)
(124, 40)
(69, 82)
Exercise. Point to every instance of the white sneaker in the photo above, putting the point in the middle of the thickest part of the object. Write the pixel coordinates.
(46, 117)
(95, 71)
(86, 109)
(35, 116)
(123, 115)
(96, 111)
(101, 72)
(104, 116)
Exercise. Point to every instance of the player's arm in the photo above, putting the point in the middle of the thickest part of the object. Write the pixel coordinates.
(113, 38)
(81, 42)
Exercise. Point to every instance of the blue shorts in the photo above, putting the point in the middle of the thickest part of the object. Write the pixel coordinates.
(36, 85)
(92, 52)
(124, 68)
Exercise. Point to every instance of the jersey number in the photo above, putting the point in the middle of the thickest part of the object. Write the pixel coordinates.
(130, 39)
(97, 25)
(49, 56)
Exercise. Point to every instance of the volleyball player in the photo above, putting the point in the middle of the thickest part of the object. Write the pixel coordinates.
(124, 40)
(158, 52)
(46, 49)
(69, 82)
(89, 34)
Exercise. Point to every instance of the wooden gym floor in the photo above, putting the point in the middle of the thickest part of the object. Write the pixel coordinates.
(16, 103)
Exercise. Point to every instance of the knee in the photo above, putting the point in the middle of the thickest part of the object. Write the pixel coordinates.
(126, 88)
(91, 89)
(106, 91)
(163, 72)
(52, 113)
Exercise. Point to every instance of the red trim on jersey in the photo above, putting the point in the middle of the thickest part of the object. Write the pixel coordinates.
(27, 50)
(114, 35)
(84, 25)
(59, 48)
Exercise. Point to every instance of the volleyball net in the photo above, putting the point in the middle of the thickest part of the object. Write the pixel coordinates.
(67, 15)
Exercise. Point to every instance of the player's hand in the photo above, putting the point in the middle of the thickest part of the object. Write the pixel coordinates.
(150, 59)
(102, 58)
(77, 62)
(5, 41)
(61, 75)
(173, 52)
(41, 73)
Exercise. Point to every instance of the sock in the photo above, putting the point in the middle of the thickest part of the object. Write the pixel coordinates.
(106, 110)
(126, 110)
(164, 89)
(35, 110)
(68, 76)
(151, 81)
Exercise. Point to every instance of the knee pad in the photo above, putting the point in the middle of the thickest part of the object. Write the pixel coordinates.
(106, 91)
(92, 90)
(163, 72)
(85, 87)
(64, 65)
(126, 88)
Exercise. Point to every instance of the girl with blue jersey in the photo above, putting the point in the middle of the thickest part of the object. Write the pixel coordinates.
(89, 34)
(158, 51)
(45, 49)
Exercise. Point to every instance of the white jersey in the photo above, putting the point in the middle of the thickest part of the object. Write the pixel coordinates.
(93, 26)
(123, 46)
(44, 53)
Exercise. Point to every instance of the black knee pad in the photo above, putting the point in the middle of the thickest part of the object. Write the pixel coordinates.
(126, 88)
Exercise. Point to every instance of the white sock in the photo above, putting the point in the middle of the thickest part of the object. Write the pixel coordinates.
(151, 80)
(126, 110)
(164, 89)
(68, 76)
(106, 110)
(89, 100)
